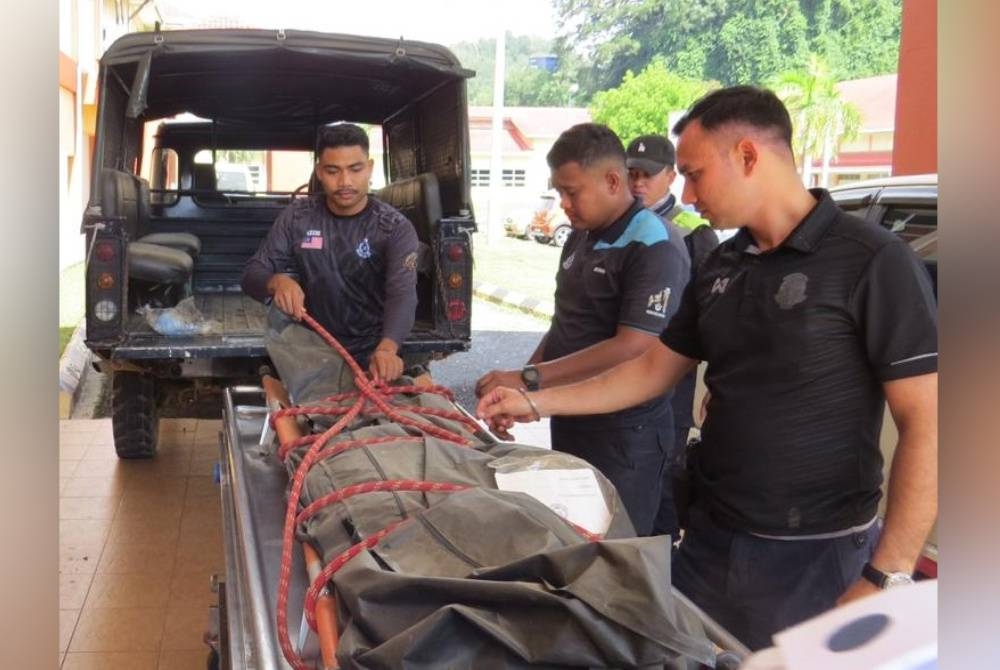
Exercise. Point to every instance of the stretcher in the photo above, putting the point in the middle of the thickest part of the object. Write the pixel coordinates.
(390, 608)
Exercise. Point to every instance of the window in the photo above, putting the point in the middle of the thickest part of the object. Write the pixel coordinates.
(163, 177)
(910, 223)
(479, 177)
(513, 178)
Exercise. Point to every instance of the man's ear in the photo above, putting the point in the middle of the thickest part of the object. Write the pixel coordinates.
(615, 180)
(747, 154)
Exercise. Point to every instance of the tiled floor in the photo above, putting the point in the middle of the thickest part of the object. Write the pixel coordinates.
(138, 543)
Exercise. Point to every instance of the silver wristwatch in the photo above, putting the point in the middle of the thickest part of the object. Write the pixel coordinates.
(885, 580)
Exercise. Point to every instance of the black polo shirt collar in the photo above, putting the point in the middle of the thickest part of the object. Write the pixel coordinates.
(806, 236)
(615, 230)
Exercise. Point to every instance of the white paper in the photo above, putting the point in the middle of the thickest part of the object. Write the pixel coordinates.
(909, 642)
(574, 494)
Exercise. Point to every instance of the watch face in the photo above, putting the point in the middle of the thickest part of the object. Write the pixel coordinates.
(897, 579)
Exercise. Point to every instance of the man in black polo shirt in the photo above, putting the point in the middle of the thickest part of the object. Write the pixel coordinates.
(618, 283)
(810, 320)
(347, 258)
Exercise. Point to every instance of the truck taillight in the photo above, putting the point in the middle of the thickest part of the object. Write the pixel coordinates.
(104, 251)
(455, 280)
(105, 280)
(457, 310)
(456, 252)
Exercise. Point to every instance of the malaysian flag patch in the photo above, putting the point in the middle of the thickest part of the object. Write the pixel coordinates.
(313, 240)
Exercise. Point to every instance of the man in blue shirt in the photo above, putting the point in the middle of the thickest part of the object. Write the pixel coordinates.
(618, 283)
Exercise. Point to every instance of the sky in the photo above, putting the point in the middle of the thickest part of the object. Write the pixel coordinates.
(442, 21)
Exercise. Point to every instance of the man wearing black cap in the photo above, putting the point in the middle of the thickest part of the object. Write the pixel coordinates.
(650, 162)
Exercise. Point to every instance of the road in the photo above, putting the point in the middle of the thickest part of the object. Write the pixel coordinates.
(501, 338)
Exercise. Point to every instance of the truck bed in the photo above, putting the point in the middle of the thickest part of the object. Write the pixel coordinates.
(244, 321)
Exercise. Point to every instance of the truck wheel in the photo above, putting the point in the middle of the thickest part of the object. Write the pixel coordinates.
(133, 414)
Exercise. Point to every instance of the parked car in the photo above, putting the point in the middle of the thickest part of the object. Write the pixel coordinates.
(516, 225)
(905, 205)
(549, 225)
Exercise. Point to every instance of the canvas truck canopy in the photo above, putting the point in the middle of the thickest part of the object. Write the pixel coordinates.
(293, 78)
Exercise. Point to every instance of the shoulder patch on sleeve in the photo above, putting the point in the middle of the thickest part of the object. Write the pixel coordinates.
(645, 228)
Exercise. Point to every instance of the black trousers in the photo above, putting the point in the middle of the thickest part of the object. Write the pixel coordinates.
(754, 586)
(666, 522)
(632, 457)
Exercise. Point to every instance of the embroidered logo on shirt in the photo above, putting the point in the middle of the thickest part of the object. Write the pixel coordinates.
(410, 262)
(599, 270)
(792, 290)
(364, 250)
(568, 262)
(719, 285)
(657, 304)
(313, 240)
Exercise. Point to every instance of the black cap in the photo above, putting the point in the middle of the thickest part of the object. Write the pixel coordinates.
(650, 153)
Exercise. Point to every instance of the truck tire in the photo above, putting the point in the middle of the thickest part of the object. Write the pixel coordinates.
(134, 416)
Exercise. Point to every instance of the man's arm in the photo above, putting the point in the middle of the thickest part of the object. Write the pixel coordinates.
(400, 282)
(912, 491)
(400, 307)
(626, 385)
(265, 275)
(627, 343)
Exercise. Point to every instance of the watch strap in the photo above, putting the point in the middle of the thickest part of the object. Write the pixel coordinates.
(874, 575)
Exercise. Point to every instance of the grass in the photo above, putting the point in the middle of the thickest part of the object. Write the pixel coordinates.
(71, 295)
(65, 332)
(517, 265)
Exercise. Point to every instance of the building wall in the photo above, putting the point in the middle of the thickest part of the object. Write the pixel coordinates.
(86, 27)
(916, 108)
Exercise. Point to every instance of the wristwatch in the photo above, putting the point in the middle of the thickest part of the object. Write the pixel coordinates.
(530, 377)
(885, 580)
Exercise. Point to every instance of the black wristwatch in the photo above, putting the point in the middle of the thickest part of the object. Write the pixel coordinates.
(530, 377)
(885, 580)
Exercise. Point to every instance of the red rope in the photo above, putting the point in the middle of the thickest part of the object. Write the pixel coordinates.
(369, 400)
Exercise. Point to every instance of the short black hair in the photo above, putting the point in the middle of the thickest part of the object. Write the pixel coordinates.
(341, 135)
(586, 143)
(757, 107)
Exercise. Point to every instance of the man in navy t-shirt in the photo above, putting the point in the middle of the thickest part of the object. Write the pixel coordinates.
(348, 259)
(619, 280)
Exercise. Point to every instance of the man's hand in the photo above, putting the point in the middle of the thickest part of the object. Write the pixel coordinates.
(502, 407)
(287, 295)
(385, 365)
(857, 590)
(495, 378)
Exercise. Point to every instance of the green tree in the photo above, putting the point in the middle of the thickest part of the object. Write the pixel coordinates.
(821, 119)
(641, 103)
(731, 41)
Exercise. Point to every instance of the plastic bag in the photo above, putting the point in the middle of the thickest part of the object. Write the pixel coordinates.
(183, 319)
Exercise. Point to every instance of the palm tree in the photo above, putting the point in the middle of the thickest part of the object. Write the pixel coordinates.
(822, 120)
